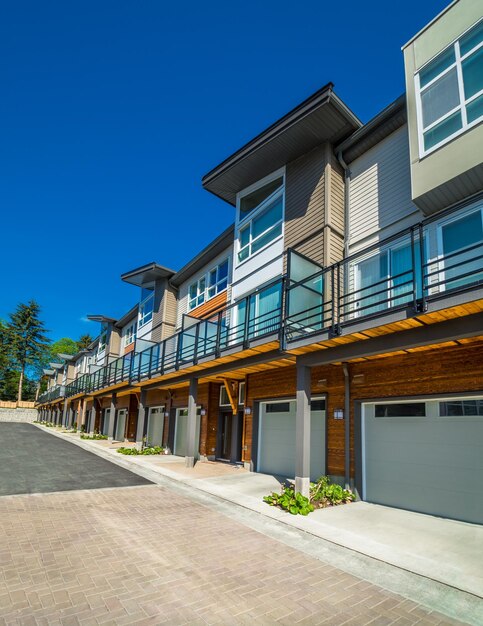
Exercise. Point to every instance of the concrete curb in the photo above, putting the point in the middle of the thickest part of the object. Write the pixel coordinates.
(438, 596)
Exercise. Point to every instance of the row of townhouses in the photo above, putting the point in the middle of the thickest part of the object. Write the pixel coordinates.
(337, 326)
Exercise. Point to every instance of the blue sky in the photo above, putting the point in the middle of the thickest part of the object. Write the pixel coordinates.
(111, 112)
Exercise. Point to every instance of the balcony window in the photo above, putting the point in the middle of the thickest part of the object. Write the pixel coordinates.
(462, 243)
(146, 309)
(208, 285)
(260, 217)
(102, 341)
(450, 91)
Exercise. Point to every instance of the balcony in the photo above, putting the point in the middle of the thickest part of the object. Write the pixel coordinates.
(439, 259)
(53, 394)
(433, 265)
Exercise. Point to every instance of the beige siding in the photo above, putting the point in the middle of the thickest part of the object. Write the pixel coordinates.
(304, 203)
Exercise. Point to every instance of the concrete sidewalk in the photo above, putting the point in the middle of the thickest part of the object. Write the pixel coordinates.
(441, 550)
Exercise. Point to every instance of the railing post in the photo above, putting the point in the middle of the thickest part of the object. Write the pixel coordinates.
(218, 335)
(197, 336)
(163, 355)
(421, 261)
(247, 321)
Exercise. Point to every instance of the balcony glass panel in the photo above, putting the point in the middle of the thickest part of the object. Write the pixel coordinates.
(462, 242)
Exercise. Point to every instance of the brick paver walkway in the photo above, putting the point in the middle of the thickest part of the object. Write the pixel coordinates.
(145, 555)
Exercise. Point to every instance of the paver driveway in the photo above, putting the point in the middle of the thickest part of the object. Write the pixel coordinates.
(147, 555)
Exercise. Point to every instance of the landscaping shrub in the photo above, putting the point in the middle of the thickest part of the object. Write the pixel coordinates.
(94, 436)
(135, 451)
(322, 493)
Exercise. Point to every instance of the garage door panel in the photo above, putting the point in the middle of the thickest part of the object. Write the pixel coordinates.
(428, 464)
(277, 432)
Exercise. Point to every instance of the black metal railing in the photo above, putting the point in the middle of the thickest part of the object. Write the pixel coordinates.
(405, 271)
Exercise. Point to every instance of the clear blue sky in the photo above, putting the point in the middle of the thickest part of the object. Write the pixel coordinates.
(111, 112)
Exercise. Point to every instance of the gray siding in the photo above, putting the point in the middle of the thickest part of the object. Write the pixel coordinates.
(380, 189)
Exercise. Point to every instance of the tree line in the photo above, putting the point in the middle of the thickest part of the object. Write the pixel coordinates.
(26, 349)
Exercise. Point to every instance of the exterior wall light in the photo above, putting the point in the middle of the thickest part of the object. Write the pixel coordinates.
(166, 414)
(338, 414)
(203, 412)
(248, 410)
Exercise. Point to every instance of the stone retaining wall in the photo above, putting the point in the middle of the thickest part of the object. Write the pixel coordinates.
(18, 415)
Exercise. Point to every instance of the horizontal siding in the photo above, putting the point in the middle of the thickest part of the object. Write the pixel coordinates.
(337, 190)
(304, 203)
(380, 188)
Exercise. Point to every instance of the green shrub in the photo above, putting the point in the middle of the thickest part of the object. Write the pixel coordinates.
(324, 493)
(153, 450)
(128, 451)
(288, 500)
(95, 436)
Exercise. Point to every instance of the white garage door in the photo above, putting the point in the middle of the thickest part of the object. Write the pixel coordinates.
(276, 443)
(154, 433)
(425, 456)
(120, 425)
(181, 428)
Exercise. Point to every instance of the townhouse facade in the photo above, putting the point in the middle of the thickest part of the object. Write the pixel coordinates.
(337, 327)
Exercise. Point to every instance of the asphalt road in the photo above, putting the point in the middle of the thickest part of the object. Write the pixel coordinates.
(32, 461)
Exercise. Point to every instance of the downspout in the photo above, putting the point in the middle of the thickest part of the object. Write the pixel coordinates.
(347, 177)
(347, 424)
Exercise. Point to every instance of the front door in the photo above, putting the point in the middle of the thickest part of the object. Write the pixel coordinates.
(230, 441)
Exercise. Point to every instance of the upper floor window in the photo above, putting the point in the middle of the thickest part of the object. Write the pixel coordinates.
(102, 341)
(449, 90)
(208, 285)
(260, 216)
(130, 334)
(146, 307)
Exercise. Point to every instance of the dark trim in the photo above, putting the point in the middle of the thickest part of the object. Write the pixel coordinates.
(458, 328)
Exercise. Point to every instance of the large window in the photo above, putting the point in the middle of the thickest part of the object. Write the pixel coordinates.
(450, 91)
(146, 307)
(130, 334)
(102, 340)
(260, 217)
(208, 285)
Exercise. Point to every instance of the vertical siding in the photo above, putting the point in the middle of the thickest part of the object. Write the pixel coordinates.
(380, 189)
(305, 203)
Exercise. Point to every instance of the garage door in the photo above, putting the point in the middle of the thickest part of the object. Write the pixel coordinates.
(154, 433)
(181, 428)
(425, 456)
(120, 425)
(276, 444)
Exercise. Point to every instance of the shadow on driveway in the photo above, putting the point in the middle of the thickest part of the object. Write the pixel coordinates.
(32, 461)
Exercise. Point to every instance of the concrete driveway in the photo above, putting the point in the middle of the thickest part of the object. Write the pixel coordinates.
(32, 461)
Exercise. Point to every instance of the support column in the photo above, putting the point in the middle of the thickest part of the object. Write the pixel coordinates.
(92, 420)
(141, 419)
(112, 418)
(64, 413)
(191, 443)
(302, 431)
(58, 415)
(70, 416)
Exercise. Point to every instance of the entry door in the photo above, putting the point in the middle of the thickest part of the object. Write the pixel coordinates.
(231, 430)
(155, 430)
(181, 430)
(121, 425)
(105, 421)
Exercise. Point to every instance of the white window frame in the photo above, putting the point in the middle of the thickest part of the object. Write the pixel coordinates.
(242, 396)
(102, 344)
(193, 302)
(242, 222)
(463, 102)
(130, 333)
(227, 403)
(142, 321)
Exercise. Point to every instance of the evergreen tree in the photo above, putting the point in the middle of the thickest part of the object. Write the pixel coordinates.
(84, 341)
(29, 343)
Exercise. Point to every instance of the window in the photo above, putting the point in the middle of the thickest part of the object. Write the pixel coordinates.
(277, 407)
(260, 214)
(461, 408)
(146, 308)
(208, 286)
(241, 393)
(224, 399)
(450, 91)
(130, 334)
(102, 341)
(408, 409)
(462, 241)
